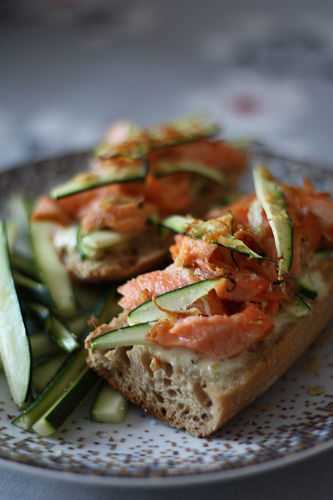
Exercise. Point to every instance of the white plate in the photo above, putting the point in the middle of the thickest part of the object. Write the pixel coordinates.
(291, 421)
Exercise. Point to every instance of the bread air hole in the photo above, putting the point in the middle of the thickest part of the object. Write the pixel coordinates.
(167, 368)
(123, 356)
(159, 397)
(146, 362)
(201, 395)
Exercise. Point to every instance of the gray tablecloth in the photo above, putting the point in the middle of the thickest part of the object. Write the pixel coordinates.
(264, 70)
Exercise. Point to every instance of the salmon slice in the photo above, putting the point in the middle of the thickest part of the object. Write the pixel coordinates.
(188, 252)
(68, 209)
(242, 286)
(120, 213)
(170, 194)
(217, 336)
(147, 286)
(216, 154)
(50, 211)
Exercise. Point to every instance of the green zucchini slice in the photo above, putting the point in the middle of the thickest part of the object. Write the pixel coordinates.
(72, 396)
(92, 180)
(71, 369)
(127, 336)
(165, 168)
(211, 231)
(270, 194)
(175, 300)
(64, 338)
(44, 372)
(94, 245)
(51, 270)
(14, 344)
(24, 265)
(109, 407)
(31, 288)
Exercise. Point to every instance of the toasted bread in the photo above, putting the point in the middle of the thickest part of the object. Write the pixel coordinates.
(200, 395)
(144, 253)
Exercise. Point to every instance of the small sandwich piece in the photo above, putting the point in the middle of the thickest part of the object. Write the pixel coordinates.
(103, 228)
(246, 295)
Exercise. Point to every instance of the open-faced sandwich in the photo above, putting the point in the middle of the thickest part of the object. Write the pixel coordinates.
(249, 290)
(102, 218)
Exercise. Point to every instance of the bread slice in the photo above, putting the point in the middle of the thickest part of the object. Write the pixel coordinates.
(144, 253)
(200, 395)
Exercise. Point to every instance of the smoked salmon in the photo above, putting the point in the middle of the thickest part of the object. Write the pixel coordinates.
(126, 188)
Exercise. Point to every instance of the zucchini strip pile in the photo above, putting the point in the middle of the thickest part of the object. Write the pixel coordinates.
(14, 343)
(44, 323)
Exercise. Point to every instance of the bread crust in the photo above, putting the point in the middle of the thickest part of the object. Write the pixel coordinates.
(268, 363)
(276, 360)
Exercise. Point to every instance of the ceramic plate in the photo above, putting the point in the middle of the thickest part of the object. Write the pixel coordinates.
(291, 421)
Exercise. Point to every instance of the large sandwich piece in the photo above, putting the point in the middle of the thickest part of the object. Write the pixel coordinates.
(247, 294)
(102, 217)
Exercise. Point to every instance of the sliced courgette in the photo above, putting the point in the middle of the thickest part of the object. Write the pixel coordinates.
(94, 245)
(92, 180)
(271, 196)
(109, 407)
(44, 372)
(211, 231)
(127, 336)
(311, 284)
(72, 368)
(61, 335)
(24, 264)
(65, 339)
(14, 344)
(42, 346)
(31, 288)
(12, 233)
(62, 394)
(175, 300)
(19, 210)
(298, 308)
(307, 292)
(51, 270)
(72, 396)
(40, 312)
(164, 168)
